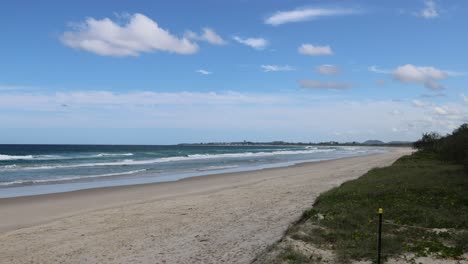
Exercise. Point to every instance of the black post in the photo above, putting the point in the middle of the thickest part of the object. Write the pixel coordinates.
(380, 236)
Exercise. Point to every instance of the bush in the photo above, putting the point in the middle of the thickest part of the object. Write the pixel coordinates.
(428, 142)
(453, 147)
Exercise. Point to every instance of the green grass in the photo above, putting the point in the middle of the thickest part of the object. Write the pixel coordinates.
(417, 190)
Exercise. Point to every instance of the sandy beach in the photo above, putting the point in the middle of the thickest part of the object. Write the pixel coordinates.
(225, 218)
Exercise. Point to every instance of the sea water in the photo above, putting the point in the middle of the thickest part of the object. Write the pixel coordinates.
(40, 169)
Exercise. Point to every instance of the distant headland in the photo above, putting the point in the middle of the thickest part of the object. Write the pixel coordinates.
(372, 142)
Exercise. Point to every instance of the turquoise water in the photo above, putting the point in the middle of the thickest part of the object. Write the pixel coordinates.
(39, 169)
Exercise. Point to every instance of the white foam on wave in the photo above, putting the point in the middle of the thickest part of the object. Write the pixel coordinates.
(15, 157)
(4, 157)
(350, 148)
(112, 154)
(30, 182)
(256, 154)
(129, 162)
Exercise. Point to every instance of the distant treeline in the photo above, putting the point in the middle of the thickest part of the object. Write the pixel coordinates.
(452, 147)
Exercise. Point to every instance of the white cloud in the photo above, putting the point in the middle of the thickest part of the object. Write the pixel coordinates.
(429, 10)
(140, 34)
(375, 69)
(305, 14)
(204, 72)
(440, 111)
(465, 98)
(308, 49)
(428, 76)
(327, 69)
(256, 43)
(450, 112)
(400, 130)
(209, 35)
(313, 84)
(419, 103)
(276, 68)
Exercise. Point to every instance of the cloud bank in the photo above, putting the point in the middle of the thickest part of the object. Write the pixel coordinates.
(283, 115)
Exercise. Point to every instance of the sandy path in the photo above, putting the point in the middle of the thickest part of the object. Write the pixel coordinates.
(226, 218)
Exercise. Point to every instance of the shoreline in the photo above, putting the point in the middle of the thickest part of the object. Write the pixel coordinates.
(279, 194)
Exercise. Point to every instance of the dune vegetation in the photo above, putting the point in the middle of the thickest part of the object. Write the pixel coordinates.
(425, 202)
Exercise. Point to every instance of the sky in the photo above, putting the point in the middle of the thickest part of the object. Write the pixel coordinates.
(167, 72)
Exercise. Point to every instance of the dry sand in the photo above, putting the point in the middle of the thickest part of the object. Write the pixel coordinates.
(225, 218)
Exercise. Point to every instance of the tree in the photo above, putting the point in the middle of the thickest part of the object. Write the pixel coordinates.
(455, 146)
(428, 142)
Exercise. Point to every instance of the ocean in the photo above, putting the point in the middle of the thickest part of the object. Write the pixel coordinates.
(40, 169)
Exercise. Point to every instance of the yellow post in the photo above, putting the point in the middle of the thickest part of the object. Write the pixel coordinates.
(380, 235)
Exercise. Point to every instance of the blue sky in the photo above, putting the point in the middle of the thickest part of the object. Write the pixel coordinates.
(154, 72)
